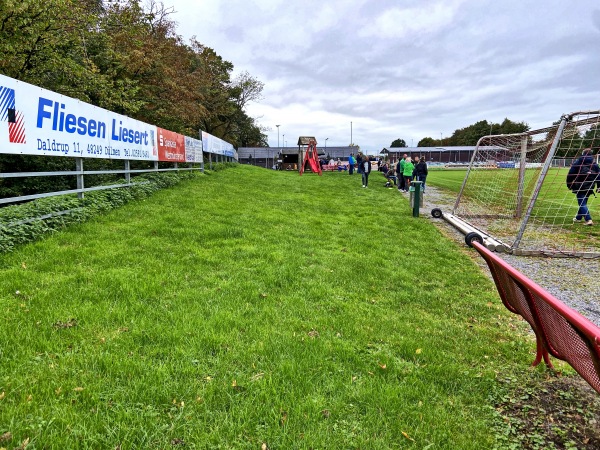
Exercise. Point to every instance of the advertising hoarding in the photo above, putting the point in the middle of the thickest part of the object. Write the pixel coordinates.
(36, 121)
(216, 146)
(193, 150)
(171, 146)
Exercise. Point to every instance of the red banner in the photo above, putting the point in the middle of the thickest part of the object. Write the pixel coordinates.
(171, 146)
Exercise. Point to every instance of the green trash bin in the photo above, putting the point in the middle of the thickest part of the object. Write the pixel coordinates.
(415, 197)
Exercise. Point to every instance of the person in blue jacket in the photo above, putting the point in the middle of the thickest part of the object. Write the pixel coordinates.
(351, 162)
(583, 175)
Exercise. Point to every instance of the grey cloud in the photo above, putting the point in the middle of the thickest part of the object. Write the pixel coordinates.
(493, 60)
(596, 18)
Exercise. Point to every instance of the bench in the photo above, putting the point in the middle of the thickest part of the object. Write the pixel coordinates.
(560, 331)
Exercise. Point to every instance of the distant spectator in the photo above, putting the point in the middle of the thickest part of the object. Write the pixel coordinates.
(421, 171)
(408, 172)
(359, 162)
(400, 173)
(366, 170)
(582, 176)
(351, 162)
(391, 178)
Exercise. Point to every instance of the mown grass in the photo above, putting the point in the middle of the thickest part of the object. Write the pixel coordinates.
(554, 200)
(252, 307)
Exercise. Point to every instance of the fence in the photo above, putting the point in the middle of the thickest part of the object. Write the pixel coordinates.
(80, 174)
(559, 330)
(38, 122)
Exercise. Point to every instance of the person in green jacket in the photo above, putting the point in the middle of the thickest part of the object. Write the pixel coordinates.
(400, 173)
(408, 172)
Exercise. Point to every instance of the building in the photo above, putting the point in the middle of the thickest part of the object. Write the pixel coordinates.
(443, 154)
(289, 158)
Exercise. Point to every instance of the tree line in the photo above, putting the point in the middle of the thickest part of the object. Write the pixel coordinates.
(127, 58)
(470, 135)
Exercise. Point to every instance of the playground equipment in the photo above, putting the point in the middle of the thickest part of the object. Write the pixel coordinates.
(311, 157)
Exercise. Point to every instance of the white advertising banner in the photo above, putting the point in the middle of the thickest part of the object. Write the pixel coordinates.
(193, 150)
(35, 121)
(216, 146)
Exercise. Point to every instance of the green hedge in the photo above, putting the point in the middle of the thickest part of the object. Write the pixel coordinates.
(14, 232)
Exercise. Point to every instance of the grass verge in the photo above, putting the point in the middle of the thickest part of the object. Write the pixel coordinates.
(252, 308)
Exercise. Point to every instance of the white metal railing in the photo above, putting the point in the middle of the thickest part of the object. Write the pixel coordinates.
(80, 173)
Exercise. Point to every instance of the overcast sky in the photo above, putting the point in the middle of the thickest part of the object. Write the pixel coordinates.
(403, 68)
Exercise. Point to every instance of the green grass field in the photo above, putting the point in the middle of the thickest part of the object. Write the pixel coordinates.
(551, 216)
(252, 307)
(553, 190)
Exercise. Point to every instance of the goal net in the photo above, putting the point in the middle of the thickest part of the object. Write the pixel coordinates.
(515, 189)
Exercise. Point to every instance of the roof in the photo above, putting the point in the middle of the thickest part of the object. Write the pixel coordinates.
(339, 152)
(305, 140)
(265, 152)
(442, 149)
(272, 152)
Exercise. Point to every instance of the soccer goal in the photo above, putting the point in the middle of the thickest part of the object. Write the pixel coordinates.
(514, 192)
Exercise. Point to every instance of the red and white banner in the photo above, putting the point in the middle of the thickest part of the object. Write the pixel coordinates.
(171, 146)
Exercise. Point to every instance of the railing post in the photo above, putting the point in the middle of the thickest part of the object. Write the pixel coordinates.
(415, 197)
(156, 165)
(80, 182)
(127, 172)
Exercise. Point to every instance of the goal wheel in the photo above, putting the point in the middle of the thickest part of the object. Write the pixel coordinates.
(473, 237)
(437, 213)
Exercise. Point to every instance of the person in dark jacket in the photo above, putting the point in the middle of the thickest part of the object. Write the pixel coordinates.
(583, 175)
(400, 173)
(420, 172)
(359, 162)
(366, 170)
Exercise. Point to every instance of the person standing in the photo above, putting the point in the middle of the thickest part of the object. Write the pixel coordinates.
(351, 162)
(582, 176)
(359, 162)
(400, 173)
(366, 170)
(408, 172)
(421, 172)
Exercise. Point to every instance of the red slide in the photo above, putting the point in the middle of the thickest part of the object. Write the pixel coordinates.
(312, 157)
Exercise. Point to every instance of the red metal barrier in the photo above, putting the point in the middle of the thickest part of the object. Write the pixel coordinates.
(560, 331)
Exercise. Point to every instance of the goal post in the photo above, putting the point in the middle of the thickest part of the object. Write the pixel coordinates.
(514, 189)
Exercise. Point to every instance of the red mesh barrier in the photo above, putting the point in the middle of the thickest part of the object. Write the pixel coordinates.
(560, 331)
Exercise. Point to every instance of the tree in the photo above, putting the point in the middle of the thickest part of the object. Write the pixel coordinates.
(398, 143)
(471, 134)
(591, 137)
(427, 142)
(126, 58)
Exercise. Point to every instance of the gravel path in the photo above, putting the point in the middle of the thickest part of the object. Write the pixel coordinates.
(574, 281)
